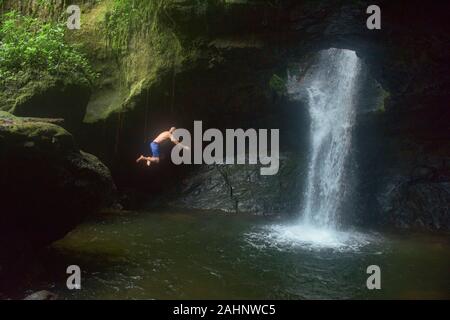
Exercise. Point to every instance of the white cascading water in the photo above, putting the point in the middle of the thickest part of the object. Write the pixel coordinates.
(330, 88)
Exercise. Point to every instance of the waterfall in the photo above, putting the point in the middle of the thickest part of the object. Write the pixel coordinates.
(331, 89)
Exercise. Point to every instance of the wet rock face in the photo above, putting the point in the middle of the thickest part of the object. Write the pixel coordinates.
(404, 175)
(241, 188)
(47, 185)
(422, 205)
(416, 191)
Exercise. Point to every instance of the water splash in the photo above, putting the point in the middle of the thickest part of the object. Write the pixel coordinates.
(309, 237)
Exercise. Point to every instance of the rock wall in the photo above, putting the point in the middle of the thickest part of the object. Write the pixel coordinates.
(241, 188)
(47, 186)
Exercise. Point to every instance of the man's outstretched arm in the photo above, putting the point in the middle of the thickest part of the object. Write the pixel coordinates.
(172, 138)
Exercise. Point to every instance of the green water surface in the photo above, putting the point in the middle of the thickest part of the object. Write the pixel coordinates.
(185, 255)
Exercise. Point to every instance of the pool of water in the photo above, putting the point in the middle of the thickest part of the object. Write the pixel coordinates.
(186, 255)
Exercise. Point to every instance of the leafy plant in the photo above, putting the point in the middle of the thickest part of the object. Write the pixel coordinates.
(31, 46)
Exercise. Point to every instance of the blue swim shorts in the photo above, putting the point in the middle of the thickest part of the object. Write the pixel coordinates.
(154, 147)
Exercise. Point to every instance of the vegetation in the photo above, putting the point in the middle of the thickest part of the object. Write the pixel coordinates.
(129, 17)
(278, 85)
(142, 49)
(382, 99)
(31, 48)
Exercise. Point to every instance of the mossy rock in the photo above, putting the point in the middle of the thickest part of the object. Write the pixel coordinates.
(48, 97)
(19, 132)
(48, 185)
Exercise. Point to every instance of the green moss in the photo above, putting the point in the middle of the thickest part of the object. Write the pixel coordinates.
(17, 130)
(278, 85)
(139, 51)
(131, 44)
(381, 108)
(28, 128)
(6, 117)
(25, 88)
(38, 130)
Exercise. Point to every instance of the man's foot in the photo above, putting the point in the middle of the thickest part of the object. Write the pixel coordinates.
(140, 159)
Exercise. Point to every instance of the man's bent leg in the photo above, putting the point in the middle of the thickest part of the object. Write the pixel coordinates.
(152, 159)
(141, 158)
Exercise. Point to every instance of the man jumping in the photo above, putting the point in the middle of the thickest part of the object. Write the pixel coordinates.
(154, 146)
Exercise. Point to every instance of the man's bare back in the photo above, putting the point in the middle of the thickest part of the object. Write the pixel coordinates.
(163, 136)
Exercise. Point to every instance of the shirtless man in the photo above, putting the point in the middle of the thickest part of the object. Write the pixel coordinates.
(154, 146)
